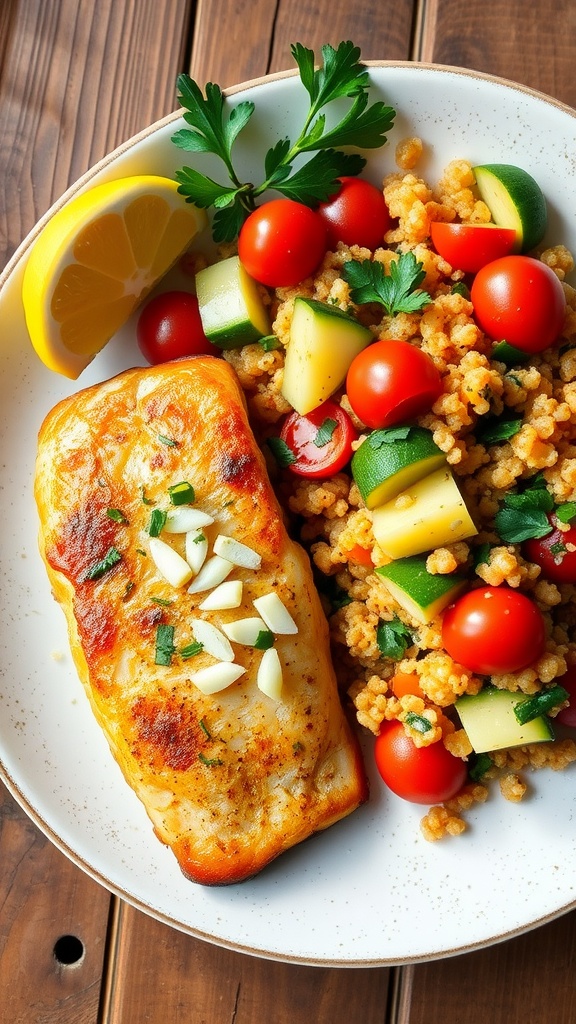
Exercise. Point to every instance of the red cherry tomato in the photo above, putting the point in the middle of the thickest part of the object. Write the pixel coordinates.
(423, 775)
(356, 215)
(470, 247)
(391, 382)
(493, 630)
(520, 300)
(321, 441)
(170, 327)
(281, 243)
(555, 554)
(567, 716)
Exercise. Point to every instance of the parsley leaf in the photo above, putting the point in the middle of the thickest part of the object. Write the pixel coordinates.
(524, 516)
(282, 453)
(211, 127)
(99, 569)
(164, 644)
(393, 638)
(498, 430)
(566, 512)
(325, 432)
(397, 291)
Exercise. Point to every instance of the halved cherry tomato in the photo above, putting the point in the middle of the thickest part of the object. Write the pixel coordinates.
(469, 247)
(492, 630)
(567, 716)
(281, 243)
(520, 300)
(170, 327)
(555, 554)
(391, 382)
(321, 441)
(356, 215)
(423, 775)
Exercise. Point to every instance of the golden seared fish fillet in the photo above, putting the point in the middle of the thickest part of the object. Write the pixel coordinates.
(222, 713)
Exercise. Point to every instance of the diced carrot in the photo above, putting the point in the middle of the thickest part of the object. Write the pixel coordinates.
(361, 555)
(404, 683)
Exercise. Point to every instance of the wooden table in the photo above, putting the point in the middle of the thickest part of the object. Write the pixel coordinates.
(77, 77)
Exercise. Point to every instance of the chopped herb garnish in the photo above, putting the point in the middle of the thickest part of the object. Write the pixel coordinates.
(214, 129)
(116, 515)
(524, 516)
(182, 493)
(140, 551)
(479, 764)
(269, 343)
(558, 549)
(540, 704)
(168, 441)
(190, 650)
(157, 522)
(145, 500)
(389, 435)
(460, 289)
(164, 644)
(566, 512)
(417, 722)
(393, 638)
(282, 453)
(498, 430)
(199, 538)
(397, 291)
(161, 601)
(325, 432)
(128, 590)
(297, 747)
(205, 729)
(210, 762)
(264, 640)
(99, 569)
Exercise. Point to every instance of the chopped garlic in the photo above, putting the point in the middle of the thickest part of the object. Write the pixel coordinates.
(169, 563)
(226, 595)
(216, 677)
(275, 613)
(213, 640)
(269, 678)
(245, 631)
(237, 552)
(184, 518)
(213, 572)
(196, 549)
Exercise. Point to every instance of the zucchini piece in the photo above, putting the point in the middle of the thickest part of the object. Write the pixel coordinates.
(392, 459)
(515, 200)
(490, 723)
(323, 342)
(433, 514)
(422, 594)
(509, 354)
(230, 305)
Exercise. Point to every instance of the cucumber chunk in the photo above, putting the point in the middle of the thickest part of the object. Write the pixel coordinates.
(230, 305)
(422, 594)
(515, 200)
(387, 462)
(433, 514)
(323, 342)
(490, 723)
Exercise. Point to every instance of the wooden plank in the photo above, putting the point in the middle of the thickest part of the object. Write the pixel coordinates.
(52, 928)
(530, 978)
(185, 979)
(265, 31)
(530, 43)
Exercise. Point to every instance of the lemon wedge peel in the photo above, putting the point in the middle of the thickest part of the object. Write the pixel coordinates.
(96, 259)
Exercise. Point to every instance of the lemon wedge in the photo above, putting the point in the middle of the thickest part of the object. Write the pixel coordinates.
(96, 259)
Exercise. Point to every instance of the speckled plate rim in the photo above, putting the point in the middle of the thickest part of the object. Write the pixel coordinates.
(13, 266)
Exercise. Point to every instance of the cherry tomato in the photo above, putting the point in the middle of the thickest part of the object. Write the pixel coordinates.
(170, 327)
(520, 300)
(493, 630)
(555, 554)
(423, 775)
(567, 716)
(356, 215)
(470, 247)
(391, 382)
(321, 441)
(281, 243)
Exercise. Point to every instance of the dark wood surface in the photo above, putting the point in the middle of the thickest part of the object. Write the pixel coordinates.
(77, 77)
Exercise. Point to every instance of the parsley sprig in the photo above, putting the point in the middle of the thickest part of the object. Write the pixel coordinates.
(397, 291)
(214, 129)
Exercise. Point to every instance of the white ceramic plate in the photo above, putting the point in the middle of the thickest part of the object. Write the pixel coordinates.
(371, 890)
